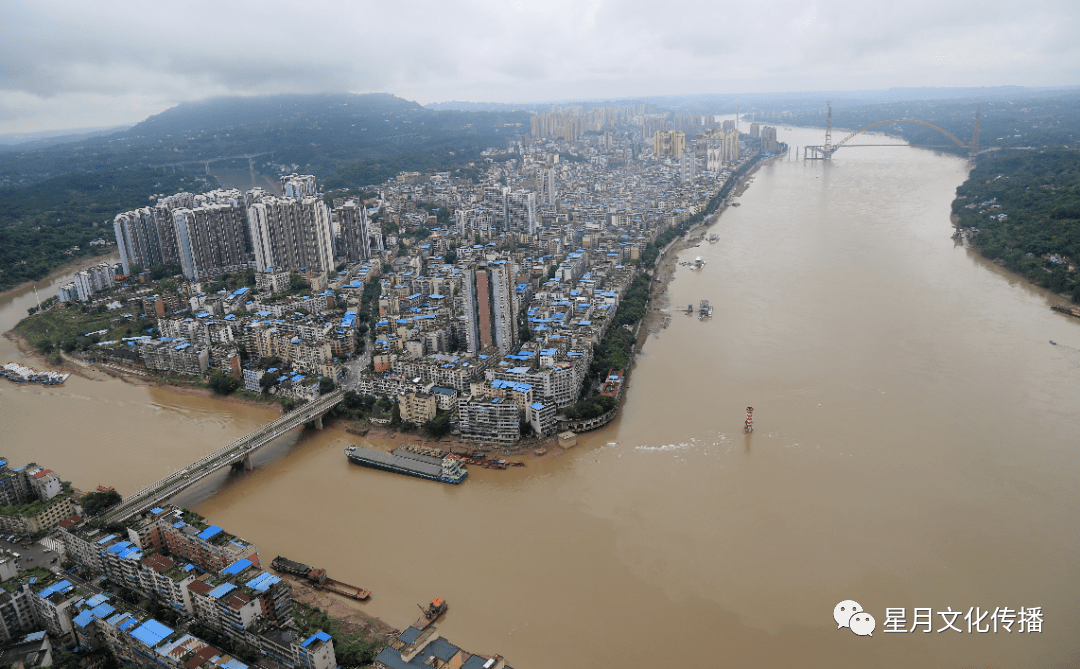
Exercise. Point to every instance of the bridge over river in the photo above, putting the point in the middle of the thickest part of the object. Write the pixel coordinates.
(238, 451)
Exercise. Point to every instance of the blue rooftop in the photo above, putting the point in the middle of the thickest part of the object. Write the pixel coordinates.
(119, 546)
(55, 587)
(151, 633)
(221, 591)
(320, 635)
(237, 567)
(263, 582)
(83, 619)
(210, 532)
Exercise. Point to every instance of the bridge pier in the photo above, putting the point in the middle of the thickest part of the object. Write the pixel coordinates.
(247, 463)
(317, 422)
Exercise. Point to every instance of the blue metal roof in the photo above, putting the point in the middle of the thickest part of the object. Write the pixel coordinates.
(119, 546)
(237, 567)
(263, 582)
(209, 532)
(97, 599)
(221, 591)
(151, 632)
(55, 587)
(320, 635)
(409, 635)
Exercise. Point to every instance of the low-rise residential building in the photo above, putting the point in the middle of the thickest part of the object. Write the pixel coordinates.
(174, 355)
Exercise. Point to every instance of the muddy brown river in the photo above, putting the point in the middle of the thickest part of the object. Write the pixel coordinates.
(915, 447)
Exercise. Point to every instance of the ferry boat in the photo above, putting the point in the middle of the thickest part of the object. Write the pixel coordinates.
(448, 469)
(705, 310)
(698, 263)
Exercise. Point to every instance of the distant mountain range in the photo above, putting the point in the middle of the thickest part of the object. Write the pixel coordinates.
(316, 134)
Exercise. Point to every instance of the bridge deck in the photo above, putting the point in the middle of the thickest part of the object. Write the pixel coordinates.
(157, 492)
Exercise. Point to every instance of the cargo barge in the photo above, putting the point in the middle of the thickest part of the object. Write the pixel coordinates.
(318, 579)
(448, 469)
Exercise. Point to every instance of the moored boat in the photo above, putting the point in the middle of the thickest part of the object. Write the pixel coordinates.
(449, 469)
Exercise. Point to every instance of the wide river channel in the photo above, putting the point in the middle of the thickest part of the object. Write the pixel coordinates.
(917, 445)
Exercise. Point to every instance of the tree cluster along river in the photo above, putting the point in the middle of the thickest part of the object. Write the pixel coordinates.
(915, 446)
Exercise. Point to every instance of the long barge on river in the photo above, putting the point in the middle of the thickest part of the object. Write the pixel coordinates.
(448, 469)
(319, 579)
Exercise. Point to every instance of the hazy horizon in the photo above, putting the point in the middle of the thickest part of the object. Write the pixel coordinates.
(72, 65)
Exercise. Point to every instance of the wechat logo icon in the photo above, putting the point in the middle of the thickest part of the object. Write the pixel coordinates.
(850, 614)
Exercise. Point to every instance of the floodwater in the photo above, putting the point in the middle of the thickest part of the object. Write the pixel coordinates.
(915, 447)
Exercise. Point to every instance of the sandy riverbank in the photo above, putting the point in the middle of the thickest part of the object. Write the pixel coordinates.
(354, 620)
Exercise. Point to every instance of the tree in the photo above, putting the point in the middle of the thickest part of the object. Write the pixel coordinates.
(450, 258)
(223, 384)
(352, 400)
(326, 385)
(439, 426)
(267, 381)
(158, 272)
(94, 503)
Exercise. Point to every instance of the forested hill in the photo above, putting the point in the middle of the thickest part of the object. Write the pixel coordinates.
(313, 134)
(51, 197)
(47, 224)
(1026, 208)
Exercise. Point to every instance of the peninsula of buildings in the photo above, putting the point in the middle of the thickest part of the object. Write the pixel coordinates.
(480, 306)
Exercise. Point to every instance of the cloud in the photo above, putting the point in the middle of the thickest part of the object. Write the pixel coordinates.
(60, 60)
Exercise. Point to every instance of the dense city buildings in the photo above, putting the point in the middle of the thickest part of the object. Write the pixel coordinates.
(188, 566)
(482, 299)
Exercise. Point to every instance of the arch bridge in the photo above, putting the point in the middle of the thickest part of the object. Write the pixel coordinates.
(825, 152)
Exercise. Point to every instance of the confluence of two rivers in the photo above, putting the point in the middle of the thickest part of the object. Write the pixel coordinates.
(914, 446)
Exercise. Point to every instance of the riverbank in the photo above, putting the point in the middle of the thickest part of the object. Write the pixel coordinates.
(658, 314)
(523, 450)
(75, 265)
(353, 619)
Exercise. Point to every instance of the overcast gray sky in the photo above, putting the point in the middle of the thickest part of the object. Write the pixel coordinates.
(84, 64)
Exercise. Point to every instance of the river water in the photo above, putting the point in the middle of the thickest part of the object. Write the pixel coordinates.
(915, 446)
